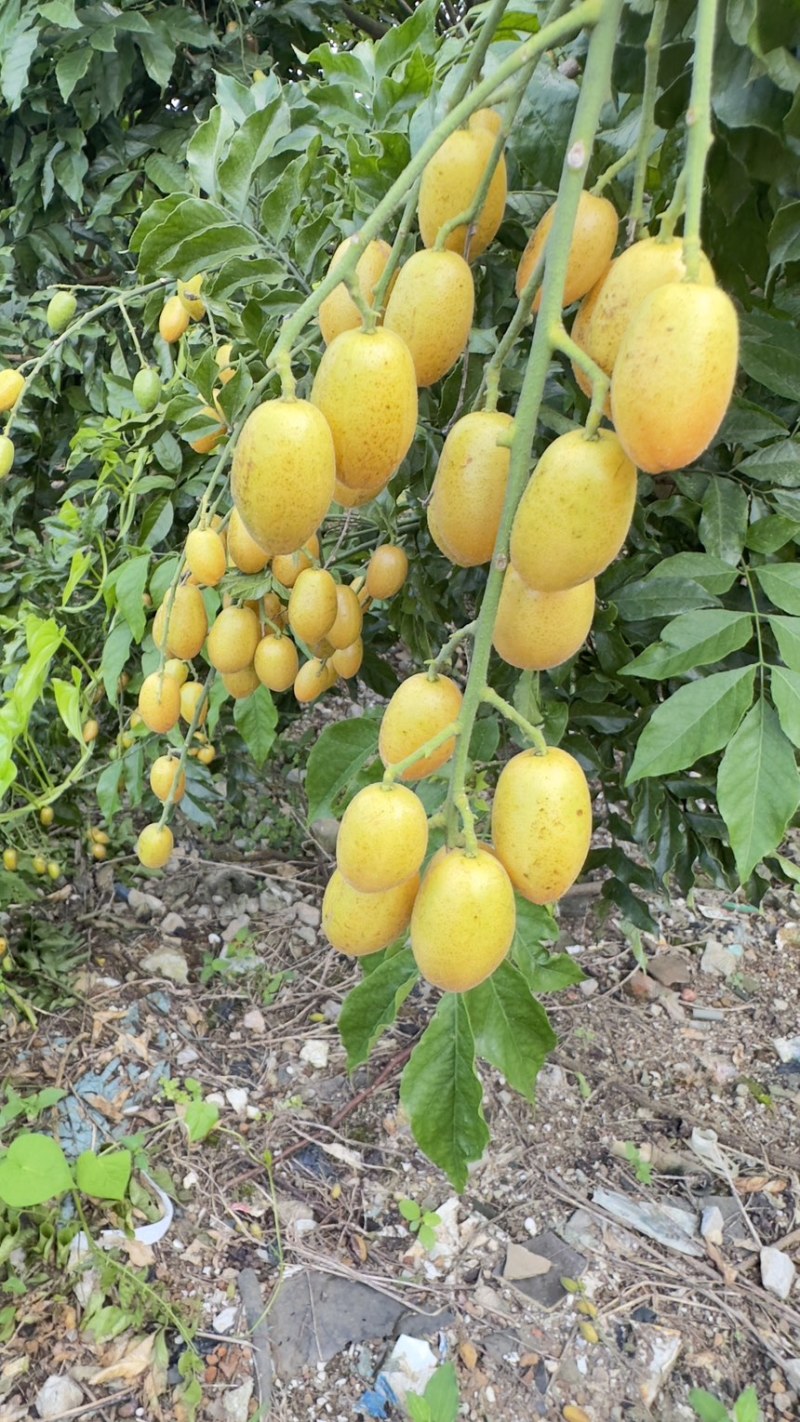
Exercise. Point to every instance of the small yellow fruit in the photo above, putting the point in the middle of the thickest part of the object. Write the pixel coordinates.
(206, 755)
(223, 360)
(247, 555)
(283, 473)
(287, 567)
(349, 619)
(241, 684)
(47, 815)
(276, 662)
(366, 388)
(539, 630)
(486, 118)
(431, 308)
(359, 924)
(53, 870)
(464, 919)
(469, 488)
(6, 455)
(594, 237)
(382, 839)
(313, 679)
(10, 860)
(189, 297)
(164, 773)
(91, 730)
(207, 442)
(450, 183)
(233, 639)
(39, 864)
(12, 385)
(387, 570)
(347, 662)
(205, 556)
(177, 669)
(174, 319)
(418, 711)
(99, 852)
(273, 609)
(313, 605)
(98, 836)
(191, 694)
(154, 846)
(181, 623)
(542, 823)
(159, 702)
(338, 311)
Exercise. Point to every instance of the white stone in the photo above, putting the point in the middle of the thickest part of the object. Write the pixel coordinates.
(236, 926)
(792, 1370)
(167, 963)
(315, 1053)
(186, 1056)
(253, 1021)
(308, 913)
(777, 1272)
(236, 1402)
(788, 1048)
(225, 1320)
(215, 1098)
(58, 1394)
(173, 923)
(721, 960)
(237, 1098)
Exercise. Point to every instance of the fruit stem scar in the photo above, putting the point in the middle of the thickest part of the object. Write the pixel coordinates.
(435, 666)
(698, 120)
(491, 698)
(393, 772)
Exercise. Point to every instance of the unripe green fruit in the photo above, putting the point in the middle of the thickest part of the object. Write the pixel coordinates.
(147, 389)
(60, 311)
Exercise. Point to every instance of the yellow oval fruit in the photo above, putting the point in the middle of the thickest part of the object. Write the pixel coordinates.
(387, 570)
(463, 921)
(177, 669)
(207, 442)
(91, 730)
(164, 773)
(418, 710)
(312, 605)
(53, 870)
(674, 375)
(241, 684)
(470, 487)
(338, 312)
(181, 624)
(10, 860)
(542, 823)
(354, 498)
(12, 385)
(287, 567)
(223, 361)
(206, 754)
(192, 693)
(174, 319)
(382, 839)
(154, 846)
(99, 852)
(347, 662)
(609, 306)
(594, 237)
(189, 297)
(47, 815)
(276, 662)
(489, 119)
(349, 619)
(313, 678)
(247, 555)
(431, 308)
(283, 473)
(233, 639)
(39, 864)
(159, 702)
(366, 389)
(539, 630)
(359, 924)
(205, 556)
(6, 455)
(574, 515)
(450, 183)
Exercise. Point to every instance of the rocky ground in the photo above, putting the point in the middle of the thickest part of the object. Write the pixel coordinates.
(633, 1237)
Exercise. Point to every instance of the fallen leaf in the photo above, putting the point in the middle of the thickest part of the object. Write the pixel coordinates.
(727, 1270)
(468, 1354)
(131, 1365)
(141, 1255)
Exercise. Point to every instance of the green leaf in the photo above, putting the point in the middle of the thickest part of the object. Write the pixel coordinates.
(785, 686)
(68, 701)
(723, 522)
(770, 352)
(418, 1409)
(707, 1407)
(129, 587)
(695, 639)
(61, 13)
(200, 1118)
(784, 235)
(485, 739)
(115, 655)
(758, 787)
(781, 583)
(787, 635)
(108, 788)
(33, 1169)
(771, 533)
(206, 147)
(71, 68)
(660, 597)
(104, 1176)
(712, 573)
(15, 61)
(746, 1408)
(194, 235)
(157, 50)
(337, 764)
(510, 1028)
(373, 1005)
(777, 463)
(441, 1394)
(410, 1210)
(401, 40)
(442, 1094)
(251, 146)
(552, 973)
(696, 720)
(256, 720)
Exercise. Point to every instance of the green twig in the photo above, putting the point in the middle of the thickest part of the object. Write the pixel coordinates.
(394, 772)
(435, 666)
(406, 221)
(474, 64)
(652, 51)
(698, 119)
(600, 381)
(672, 214)
(494, 366)
(491, 697)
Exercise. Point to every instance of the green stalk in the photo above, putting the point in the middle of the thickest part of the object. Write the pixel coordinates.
(382, 287)
(587, 115)
(652, 51)
(435, 666)
(698, 120)
(491, 698)
(474, 64)
(601, 383)
(169, 803)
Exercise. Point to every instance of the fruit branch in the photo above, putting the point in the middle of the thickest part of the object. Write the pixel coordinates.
(200, 705)
(401, 766)
(652, 51)
(406, 221)
(435, 666)
(600, 381)
(474, 64)
(698, 119)
(521, 317)
(491, 698)
(585, 13)
(594, 90)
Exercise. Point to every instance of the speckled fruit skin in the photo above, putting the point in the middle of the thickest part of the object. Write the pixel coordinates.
(245, 553)
(313, 678)
(417, 711)
(366, 388)
(359, 924)
(575, 513)
(182, 621)
(537, 631)
(174, 319)
(674, 375)
(449, 184)
(276, 662)
(338, 311)
(606, 312)
(205, 556)
(463, 921)
(241, 684)
(233, 639)
(347, 662)
(354, 498)
(12, 385)
(542, 823)
(431, 308)
(349, 619)
(287, 567)
(154, 846)
(470, 487)
(594, 237)
(387, 570)
(283, 473)
(312, 605)
(164, 773)
(159, 702)
(382, 838)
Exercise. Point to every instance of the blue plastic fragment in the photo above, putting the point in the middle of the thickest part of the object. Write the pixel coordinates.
(375, 1401)
(120, 892)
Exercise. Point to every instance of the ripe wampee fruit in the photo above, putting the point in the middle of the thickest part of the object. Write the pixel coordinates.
(347, 624)
(174, 319)
(366, 389)
(164, 773)
(159, 702)
(247, 555)
(287, 567)
(154, 846)
(382, 839)
(419, 709)
(313, 605)
(469, 488)
(387, 570)
(450, 183)
(542, 822)
(6, 456)
(338, 311)
(464, 919)
(359, 924)
(537, 631)
(431, 308)
(347, 662)
(233, 639)
(313, 679)
(180, 624)
(12, 385)
(276, 662)
(283, 473)
(594, 237)
(205, 556)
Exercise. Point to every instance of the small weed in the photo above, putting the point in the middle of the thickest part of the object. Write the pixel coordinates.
(422, 1223)
(710, 1409)
(643, 1168)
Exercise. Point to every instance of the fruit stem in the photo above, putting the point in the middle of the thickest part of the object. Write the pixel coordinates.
(652, 51)
(123, 311)
(369, 315)
(468, 824)
(435, 666)
(698, 120)
(494, 366)
(491, 698)
(671, 214)
(406, 221)
(600, 381)
(394, 772)
(166, 813)
(597, 77)
(474, 64)
(549, 37)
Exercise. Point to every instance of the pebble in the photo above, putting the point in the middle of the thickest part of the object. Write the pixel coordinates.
(712, 1223)
(777, 1272)
(309, 914)
(225, 1320)
(236, 926)
(253, 1021)
(186, 1056)
(589, 986)
(237, 1098)
(316, 1053)
(173, 923)
(306, 935)
(58, 1394)
(792, 1370)
(788, 1048)
(721, 960)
